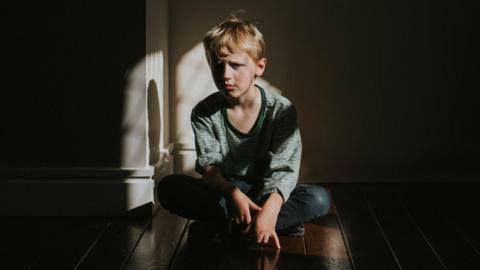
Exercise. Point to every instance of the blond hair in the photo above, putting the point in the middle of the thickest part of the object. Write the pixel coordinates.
(234, 34)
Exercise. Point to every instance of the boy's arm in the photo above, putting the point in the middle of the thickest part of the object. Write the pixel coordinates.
(214, 179)
(281, 175)
(285, 153)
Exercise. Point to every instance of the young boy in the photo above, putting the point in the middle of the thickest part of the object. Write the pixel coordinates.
(248, 147)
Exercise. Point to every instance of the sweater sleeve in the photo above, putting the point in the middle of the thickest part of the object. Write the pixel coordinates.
(284, 155)
(207, 145)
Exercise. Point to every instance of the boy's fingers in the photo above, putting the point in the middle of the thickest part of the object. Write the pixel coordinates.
(259, 238)
(277, 241)
(248, 218)
(265, 239)
(255, 207)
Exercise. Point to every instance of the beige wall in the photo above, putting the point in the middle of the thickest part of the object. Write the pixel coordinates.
(73, 84)
(375, 83)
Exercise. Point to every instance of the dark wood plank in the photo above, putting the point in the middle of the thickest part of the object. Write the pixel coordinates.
(225, 256)
(419, 229)
(215, 256)
(159, 241)
(411, 248)
(292, 254)
(460, 204)
(324, 241)
(26, 239)
(292, 245)
(289, 244)
(73, 242)
(114, 247)
(366, 244)
(454, 251)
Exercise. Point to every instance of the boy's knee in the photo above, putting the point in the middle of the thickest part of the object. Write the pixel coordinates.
(164, 184)
(165, 190)
(322, 199)
(318, 200)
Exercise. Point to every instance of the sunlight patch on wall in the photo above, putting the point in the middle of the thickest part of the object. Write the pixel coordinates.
(144, 93)
(143, 117)
(193, 83)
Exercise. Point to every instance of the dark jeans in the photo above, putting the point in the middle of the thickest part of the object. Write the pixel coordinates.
(189, 197)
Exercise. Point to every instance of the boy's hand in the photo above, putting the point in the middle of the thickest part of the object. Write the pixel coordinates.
(263, 226)
(243, 204)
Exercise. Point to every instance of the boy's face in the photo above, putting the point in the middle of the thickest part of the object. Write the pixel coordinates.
(234, 72)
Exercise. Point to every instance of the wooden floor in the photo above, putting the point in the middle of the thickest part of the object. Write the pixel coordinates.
(371, 226)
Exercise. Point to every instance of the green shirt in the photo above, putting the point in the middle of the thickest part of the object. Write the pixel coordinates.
(269, 153)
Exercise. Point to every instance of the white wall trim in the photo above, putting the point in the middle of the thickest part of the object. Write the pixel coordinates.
(184, 159)
(184, 146)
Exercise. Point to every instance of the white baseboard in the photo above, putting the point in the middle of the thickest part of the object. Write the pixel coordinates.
(76, 192)
(184, 159)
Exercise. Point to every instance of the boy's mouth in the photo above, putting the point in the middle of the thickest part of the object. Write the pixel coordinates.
(229, 87)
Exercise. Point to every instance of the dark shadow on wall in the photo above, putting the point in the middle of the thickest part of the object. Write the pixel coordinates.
(154, 122)
(383, 89)
(64, 72)
(65, 91)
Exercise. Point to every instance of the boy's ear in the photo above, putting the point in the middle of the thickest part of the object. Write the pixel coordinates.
(261, 64)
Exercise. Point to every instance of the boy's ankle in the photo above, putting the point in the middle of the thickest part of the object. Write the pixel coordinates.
(295, 231)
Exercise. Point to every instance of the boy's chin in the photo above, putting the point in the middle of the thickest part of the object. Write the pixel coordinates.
(229, 94)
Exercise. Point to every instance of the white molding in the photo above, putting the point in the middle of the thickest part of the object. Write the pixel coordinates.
(179, 146)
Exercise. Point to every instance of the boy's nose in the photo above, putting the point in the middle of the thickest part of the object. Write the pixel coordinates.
(227, 72)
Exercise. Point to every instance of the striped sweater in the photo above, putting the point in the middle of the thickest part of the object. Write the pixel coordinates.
(269, 153)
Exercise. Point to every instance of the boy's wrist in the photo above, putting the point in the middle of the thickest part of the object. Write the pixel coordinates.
(274, 202)
(228, 190)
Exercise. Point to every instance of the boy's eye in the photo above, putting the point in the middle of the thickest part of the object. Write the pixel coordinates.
(221, 65)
